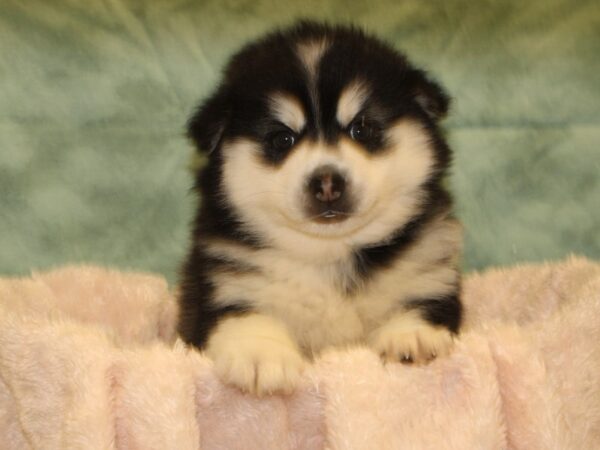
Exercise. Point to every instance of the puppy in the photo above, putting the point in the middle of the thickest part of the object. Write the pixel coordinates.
(323, 220)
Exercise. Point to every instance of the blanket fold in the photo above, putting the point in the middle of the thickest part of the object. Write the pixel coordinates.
(88, 360)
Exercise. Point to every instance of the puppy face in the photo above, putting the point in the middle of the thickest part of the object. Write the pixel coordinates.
(323, 132)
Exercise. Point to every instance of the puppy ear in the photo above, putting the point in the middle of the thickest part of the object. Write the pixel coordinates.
(430, 96)
(208, 124)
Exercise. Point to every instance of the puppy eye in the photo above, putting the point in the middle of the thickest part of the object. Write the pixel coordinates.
(283, 140)
(363, 131)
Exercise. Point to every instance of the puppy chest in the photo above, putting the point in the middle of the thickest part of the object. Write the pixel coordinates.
(309, 301)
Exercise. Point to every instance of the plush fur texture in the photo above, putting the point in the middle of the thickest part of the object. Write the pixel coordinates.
(323, 216)
(87, 362)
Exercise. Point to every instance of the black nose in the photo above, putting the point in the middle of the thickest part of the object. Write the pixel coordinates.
(327, 185)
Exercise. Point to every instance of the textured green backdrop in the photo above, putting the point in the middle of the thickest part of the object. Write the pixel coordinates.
(94, 95)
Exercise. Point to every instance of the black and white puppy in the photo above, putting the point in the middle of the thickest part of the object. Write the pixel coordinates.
(323, 220)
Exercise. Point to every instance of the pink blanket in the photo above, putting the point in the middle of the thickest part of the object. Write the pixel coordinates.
(88, 361)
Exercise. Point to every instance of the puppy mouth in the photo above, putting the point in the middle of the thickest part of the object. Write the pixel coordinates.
(329, 213)
(330, 216)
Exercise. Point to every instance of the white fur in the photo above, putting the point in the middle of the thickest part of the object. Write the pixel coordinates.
(307, 298)
(406, 336)
(386, 186)
(256, 354)
(288, 110)
(304, 272)
(310, 53)
(351, 101)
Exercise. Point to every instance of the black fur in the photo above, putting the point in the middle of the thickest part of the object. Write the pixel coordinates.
(215, 218)
(445, 311)
(372, 258)
(238, 108)
(198, 315)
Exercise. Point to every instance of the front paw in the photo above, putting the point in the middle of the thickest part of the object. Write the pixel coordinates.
(256, 354)
(409, 338)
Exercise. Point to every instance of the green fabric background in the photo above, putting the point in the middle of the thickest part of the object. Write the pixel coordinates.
(94, 96)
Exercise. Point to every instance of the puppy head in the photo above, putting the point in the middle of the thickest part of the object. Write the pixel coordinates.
(322, 132)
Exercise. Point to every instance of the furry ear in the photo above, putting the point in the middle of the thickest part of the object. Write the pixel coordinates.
(430, 96)
(207, 126)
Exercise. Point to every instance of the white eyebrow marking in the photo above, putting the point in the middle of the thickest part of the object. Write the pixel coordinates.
(351, 101)
(288, 110)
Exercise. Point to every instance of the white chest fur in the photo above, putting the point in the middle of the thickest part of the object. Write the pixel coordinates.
(309, 297)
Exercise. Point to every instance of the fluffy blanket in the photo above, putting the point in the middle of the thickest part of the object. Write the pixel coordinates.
(88, 360)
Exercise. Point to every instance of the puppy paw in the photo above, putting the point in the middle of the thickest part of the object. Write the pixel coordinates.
(256, 354)
(409, 338)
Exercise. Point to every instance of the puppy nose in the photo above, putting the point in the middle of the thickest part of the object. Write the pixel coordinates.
(326, 184)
